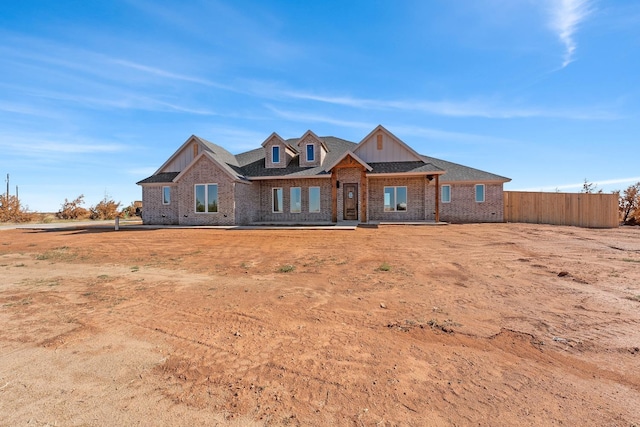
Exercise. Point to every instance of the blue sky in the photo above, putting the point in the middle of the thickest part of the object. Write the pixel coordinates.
(96, 95)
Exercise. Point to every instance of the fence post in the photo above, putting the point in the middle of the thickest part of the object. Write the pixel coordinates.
(117, 223)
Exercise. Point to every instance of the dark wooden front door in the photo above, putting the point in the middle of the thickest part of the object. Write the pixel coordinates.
(351, 202)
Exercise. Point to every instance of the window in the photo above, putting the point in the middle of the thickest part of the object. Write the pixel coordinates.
(277, 200)
(275, 154)
(445, 192)
(395, 199)
(314, 199)
(479, 193)
(295, 202)
(379, 141)
(206, 198)
(166, 195)
(311, 154)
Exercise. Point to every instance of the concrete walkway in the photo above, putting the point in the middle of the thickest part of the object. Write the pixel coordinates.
(136, 224)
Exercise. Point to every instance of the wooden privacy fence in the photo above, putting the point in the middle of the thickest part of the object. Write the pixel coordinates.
(579, 209)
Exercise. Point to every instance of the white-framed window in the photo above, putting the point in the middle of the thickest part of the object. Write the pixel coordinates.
(295, 200)
(166, 195)
(314, 199)
(445, 193)
(275, 154)
(277, 203)
(206, 198)
(479, 193)
(395, 199)
(311, 153)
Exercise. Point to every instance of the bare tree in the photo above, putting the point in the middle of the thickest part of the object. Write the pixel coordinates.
(73, 209)
(590, 187)
(629, 204)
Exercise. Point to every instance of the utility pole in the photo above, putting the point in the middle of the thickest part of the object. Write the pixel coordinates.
(7, 186)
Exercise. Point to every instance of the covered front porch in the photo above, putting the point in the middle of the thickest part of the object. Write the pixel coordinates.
(368, 195)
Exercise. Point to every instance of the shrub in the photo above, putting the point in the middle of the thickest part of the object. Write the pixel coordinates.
(12, 211)
(134, 209)
(384, 267)
(73, 209)
(287, 268)
(107, 208)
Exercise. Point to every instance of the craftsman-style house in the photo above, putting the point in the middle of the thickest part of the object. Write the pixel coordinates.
(315, 179)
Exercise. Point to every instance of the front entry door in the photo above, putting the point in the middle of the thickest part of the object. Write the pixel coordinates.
(350, 202)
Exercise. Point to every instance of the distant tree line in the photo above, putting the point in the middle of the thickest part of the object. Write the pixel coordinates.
(11, 210)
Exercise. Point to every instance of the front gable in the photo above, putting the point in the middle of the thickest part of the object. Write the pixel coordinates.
(183, 156)
(312, 150)
(349, 160)
(214, 166)
(382, 146)
(277, 153)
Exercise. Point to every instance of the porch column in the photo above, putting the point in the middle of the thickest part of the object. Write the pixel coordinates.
(334, 196)
(424, 198)
(437, 198)
(363, 195)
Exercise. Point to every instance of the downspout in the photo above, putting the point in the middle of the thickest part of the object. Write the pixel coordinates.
(437, 198)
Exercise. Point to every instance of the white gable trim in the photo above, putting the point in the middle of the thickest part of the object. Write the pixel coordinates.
(354, 156)
(189, 140)
(211, 158)
(314, 136)
(278, 137)
(397, 140)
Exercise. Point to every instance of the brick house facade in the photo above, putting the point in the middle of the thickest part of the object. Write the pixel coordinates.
(315, 179)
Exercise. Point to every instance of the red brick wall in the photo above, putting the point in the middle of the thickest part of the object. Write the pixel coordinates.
(153, 211)
(265, 207)
(415, 199)
(464, 208)
(206, 172)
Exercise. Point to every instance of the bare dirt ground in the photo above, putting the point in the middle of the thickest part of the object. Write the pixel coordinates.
(486, 324)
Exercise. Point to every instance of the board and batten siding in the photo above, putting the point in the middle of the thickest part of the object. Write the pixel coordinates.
(183, 159)
(391, 150)
(578, 209)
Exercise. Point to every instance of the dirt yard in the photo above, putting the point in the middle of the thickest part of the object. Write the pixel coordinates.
(486, 324)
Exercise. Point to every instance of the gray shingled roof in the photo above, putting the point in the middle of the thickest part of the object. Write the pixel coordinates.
(251, 164)
(456, 172)
(403, 167)
(158, 178)
(224, 157)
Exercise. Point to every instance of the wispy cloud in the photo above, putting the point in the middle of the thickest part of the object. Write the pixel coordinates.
(580, 185)
(319, 118)
(566, 16)
(104, 97)
(17, 108)
(405, 131)
(471, 108)
(44, 145)
(166, 74)
(444, 135)
(33, 52)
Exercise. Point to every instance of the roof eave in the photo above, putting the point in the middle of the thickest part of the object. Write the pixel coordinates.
(478, 181)
(384, 174)
(281, 177)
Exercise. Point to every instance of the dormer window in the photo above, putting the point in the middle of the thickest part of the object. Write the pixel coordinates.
(275, 154)
(311, 153)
